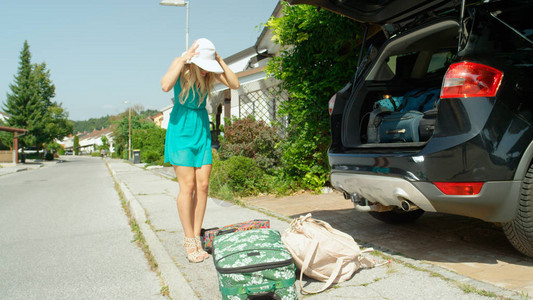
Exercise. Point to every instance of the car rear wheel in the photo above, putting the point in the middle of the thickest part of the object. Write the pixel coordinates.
(520, 231)
(397, 216)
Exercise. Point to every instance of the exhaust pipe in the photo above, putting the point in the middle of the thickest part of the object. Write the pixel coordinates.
(407, 205)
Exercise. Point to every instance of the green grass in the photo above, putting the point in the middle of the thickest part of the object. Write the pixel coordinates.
(470, 289)
(138, 237)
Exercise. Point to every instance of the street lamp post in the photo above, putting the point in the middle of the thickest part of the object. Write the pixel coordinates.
(180, 3)
(129, 130)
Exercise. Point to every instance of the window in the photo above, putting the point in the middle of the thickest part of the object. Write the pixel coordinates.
(440, 61)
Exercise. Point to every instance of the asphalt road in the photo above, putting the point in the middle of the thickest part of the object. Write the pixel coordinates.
(64, 235)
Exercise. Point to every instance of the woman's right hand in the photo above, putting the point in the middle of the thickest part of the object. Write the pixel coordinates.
(169, 79)
(191, 52)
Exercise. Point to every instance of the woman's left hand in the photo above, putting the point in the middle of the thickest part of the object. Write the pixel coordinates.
(217, 57)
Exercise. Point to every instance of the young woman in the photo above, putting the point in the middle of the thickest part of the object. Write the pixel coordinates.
(188, 139)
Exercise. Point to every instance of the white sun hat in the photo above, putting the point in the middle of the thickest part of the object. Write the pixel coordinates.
(206, 58)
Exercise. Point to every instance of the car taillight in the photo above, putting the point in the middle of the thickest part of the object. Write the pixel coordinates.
(459, 188)
(331, 103)
(468, 79)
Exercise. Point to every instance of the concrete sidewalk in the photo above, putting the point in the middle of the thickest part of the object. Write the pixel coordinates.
(152, 200)
(8, 168)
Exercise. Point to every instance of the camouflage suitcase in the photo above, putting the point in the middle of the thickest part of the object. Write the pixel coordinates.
(254, 263)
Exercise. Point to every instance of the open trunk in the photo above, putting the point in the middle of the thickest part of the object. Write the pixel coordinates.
(395, 104)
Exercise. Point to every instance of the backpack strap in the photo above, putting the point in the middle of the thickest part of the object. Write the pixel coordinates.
(305, 265)
(428, 97)
(393, 103)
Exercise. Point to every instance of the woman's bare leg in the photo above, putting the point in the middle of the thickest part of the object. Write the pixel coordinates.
(202, 187)
(185, 202)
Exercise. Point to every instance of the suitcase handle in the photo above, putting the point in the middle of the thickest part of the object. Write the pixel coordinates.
(225, 231)
(396, 131)
(260, 288)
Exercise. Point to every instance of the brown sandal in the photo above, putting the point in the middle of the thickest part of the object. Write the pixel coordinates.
(193, 255)
(200, 249)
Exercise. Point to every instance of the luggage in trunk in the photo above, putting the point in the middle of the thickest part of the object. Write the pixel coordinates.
(427, 124)
(400, 127)
(254, 263)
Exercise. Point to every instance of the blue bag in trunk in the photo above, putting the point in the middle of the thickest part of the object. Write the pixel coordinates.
(400, 127)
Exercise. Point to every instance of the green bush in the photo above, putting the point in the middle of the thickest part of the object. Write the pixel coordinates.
(95, 154)
(151, 142)
(330, 44)
(251, 138)
(237, 176)
(150, 156)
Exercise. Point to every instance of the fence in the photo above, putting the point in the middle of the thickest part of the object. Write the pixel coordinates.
(263, 104)
(6, 156)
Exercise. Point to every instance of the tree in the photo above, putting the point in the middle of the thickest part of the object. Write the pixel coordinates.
(319, 57)
(54, 123)
(76, 145)
(121, 132)
(31, 107)
(105, 143)
(23, 98)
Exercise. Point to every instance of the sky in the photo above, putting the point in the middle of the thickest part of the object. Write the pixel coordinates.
(101, 53)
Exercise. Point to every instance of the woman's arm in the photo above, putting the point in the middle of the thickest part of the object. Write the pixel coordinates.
(228, 78)
(169, 79)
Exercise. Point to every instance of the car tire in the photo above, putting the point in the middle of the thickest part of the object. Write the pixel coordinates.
(520, 231)
(397, 216)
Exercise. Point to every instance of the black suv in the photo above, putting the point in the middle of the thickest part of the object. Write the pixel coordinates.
(438, 116)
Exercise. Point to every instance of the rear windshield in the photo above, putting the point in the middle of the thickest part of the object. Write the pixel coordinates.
(401, 65)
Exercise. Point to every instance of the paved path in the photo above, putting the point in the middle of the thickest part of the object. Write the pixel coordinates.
(464, 245)
(152, 198)
(64, 235)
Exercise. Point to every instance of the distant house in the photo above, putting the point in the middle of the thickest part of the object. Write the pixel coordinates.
(158, 119)
(89, 142)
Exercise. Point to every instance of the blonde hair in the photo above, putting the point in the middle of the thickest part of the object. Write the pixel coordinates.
(192, 78)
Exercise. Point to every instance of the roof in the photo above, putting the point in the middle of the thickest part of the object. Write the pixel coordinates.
(96, 133)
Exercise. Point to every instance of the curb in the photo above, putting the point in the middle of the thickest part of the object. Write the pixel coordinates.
(178, 287)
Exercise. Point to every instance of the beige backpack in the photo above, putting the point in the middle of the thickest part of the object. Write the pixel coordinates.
(322, 252)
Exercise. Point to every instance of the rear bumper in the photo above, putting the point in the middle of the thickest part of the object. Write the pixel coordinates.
(496, 202)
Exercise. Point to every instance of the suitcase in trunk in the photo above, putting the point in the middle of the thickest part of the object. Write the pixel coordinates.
(254, 263)
(427, 124)
(400, 127)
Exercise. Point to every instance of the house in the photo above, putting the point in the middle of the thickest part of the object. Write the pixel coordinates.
(158, 119)
(258, 94)
(89, 142)
(165, 115)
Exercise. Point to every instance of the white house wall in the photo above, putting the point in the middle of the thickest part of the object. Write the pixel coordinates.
(166, 116)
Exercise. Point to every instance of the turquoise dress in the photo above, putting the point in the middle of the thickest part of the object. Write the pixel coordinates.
(188, 138)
